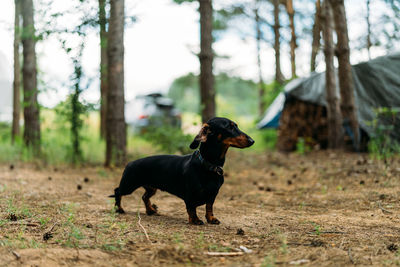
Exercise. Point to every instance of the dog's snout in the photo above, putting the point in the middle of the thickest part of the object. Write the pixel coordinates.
(250, 140)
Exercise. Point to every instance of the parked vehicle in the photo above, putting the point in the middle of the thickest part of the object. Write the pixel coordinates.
(152, 110)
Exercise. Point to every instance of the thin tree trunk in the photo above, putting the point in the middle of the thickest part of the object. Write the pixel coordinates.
(316, 32)
(207, 90)
(116, 127)
(31, 107)
(103, 67)
(335, 132)
(17, 73)
(260, 78)
(369, 44)
(293, 45)
(348, 107)
(278, 72)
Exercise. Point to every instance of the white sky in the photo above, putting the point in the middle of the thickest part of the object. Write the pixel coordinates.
(158, 49)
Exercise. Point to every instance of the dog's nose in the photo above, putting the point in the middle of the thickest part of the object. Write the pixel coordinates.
(250, 140)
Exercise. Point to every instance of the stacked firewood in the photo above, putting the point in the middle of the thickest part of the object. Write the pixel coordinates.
(300, 119)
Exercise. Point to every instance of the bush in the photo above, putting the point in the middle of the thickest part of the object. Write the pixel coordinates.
(382, 144)
(169, 139)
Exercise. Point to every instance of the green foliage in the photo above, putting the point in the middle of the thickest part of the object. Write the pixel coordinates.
(56, 142)
(69, 116)
(169, 139)
(302, 147)
(235, 96)
(233, 93)
(266, 139)
(382, 144)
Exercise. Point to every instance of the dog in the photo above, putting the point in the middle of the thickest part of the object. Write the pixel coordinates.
(196, 178)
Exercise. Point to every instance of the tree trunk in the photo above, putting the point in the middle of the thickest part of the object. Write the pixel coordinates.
(260, 78)
(278, 72)
(316, 33)
(293, 45)
(17, 73)
(103, 67)
(31, 107)
(369, 43)
(335, 132)
(207, 90)
(116, 127)
(348, 107)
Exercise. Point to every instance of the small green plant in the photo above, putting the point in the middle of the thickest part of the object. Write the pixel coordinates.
(284, 246)
(269, 261)
(218, 248)
(17, 212)
(177, 238)
(317, 228)
(324, 189)
(302, 147)
(200, 240)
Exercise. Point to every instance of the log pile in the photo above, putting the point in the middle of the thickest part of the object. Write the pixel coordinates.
(300, 119)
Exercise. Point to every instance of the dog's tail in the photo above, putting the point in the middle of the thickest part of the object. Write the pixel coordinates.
(116, 192)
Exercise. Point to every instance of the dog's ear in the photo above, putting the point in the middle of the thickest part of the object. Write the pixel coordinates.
(201, 136)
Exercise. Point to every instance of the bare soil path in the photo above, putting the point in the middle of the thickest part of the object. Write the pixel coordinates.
(320, 209)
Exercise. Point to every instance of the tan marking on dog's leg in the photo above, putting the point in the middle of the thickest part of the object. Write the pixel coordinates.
(150, 191)
(209, 214)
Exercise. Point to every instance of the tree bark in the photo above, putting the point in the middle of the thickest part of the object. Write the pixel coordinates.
(293, 45)
(278, 72)
(116, 127)
(316, 33)
(369, 43)
(348, 107)
(17, 73)
(31, 107)
(103, 67)
(260, 78)
(207, 90)
(335, 132)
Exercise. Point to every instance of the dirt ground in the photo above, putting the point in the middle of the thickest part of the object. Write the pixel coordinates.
(320, 209)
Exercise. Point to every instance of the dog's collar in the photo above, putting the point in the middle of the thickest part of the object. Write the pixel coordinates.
(209, 166)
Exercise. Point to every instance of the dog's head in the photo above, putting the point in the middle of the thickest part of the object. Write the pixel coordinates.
(224, 132)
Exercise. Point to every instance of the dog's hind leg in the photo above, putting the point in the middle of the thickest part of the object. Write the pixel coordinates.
(150, 191)
(118, 196)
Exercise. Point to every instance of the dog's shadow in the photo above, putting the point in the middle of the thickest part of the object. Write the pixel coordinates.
(155, 218)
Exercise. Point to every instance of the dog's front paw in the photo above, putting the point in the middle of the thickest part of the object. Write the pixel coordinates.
(120, 210)
(213, 220)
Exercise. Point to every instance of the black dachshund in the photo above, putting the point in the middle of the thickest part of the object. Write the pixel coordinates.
(195, 178)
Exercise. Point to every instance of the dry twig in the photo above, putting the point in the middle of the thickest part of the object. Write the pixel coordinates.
(383, 209)
(52, 227)
(141, 226)
(24, 223)
(350, 257)
(209, 253)
(16, 254)
(327, 232)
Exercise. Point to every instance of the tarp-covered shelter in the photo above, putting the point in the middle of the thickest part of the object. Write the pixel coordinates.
(377, 85)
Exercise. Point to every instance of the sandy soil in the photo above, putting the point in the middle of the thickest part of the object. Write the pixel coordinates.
(320, 209)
